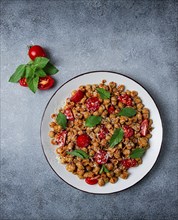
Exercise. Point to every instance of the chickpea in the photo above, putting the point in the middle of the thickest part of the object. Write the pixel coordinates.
(117, 172)
(124, 175)
(101, 182)
(137, 100)
(128, 92)
(145, 116)
(88, 174)
(113, 179)
(103, 142)
(109, 166)
(51, 134)
(57, 128)
(96, 170)
(96, 113)
(79, 165)
(110, 174)
(88, 168)
(53, 141)
(121, 88)
(96, 130)
(117, 154)
(52, 124)
(120, 105)
(53, 116)
(91, 153)
(134, 93)
(126, 152)
(71, 167)
(139, 116)
(148, 136)
(143, 141)
(86, 114)
(140, 106)
(100, 110)
(112, 85)
(106, 101)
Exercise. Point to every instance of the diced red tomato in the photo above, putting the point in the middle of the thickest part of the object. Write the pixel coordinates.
(144, 127)
(103, 131)
(83, 140)
(125, 99)
(77, 96)
(127, 163)
(101, 157)
(61, 138)
(91, 180)
(128, 131)
(93, 104)
(69, 114)
(111, 109)
(23, 82)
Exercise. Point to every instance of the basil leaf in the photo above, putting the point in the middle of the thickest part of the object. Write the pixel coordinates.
(40, 62)
(32, 83)
(137, 153)
(61, 120)
(103, 169)
(116, 137)
(50, 69)
(18, 74)
(129, 112)
(28, 71)
(103, 93)
(93, 120)
(40, 73)
(81, 152)
(75, 154)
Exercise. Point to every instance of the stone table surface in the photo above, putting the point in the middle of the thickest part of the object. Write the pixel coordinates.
(137, 38)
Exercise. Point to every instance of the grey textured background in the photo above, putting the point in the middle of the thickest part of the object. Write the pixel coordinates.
(137, 38)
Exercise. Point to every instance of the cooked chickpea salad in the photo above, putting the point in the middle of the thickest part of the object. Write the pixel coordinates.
(101, 132)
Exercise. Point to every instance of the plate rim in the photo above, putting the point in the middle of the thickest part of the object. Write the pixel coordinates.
(64, 85)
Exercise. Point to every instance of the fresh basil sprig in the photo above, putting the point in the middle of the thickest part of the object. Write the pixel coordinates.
(93, 120)
(116, 137)
(137, 153)
(79, 153)
(103, 169)
(40, 67)
(103, 93)
(61, 120)
(128, 112)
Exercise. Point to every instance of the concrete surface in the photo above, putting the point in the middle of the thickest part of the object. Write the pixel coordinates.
(137, 38)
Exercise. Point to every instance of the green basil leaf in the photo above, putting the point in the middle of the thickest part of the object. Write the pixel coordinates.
(128, 112)
(116, 137)
(75, 154)
(103, 93)
(93, 120)
(28, 71)
(40, 62)
(81, 152)
(50, 69)
(40, 72)
(137, 153)
(61, 120)
(33, 83)
(18, 74)
(103, 169)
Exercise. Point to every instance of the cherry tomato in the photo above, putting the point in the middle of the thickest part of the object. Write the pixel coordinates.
(36, 51)
(111, 109)
(101, 157)
(103, 131)
(69, 114)
(77, 96)
(61, 138)
(127, 163)
(45, 82)
(93, 104)
(23, 82)
(144, 127)
(83, 140)
(128, 131)
(125, 99)
(91, 180)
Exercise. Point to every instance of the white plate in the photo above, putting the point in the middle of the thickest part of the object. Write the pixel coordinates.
(58, 100)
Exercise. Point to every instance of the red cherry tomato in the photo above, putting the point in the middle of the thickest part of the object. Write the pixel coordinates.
(23, 82)
(128, 131)
(103, 131)
(69, 114)
(101, 157)
(93, 104)
(77, 96)
(125, 99)
(127, 163)
(83, 140)
(91, 180)
(144, 127)
(111, 109)
(36, 51)
(61, 138)
(45, 82)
